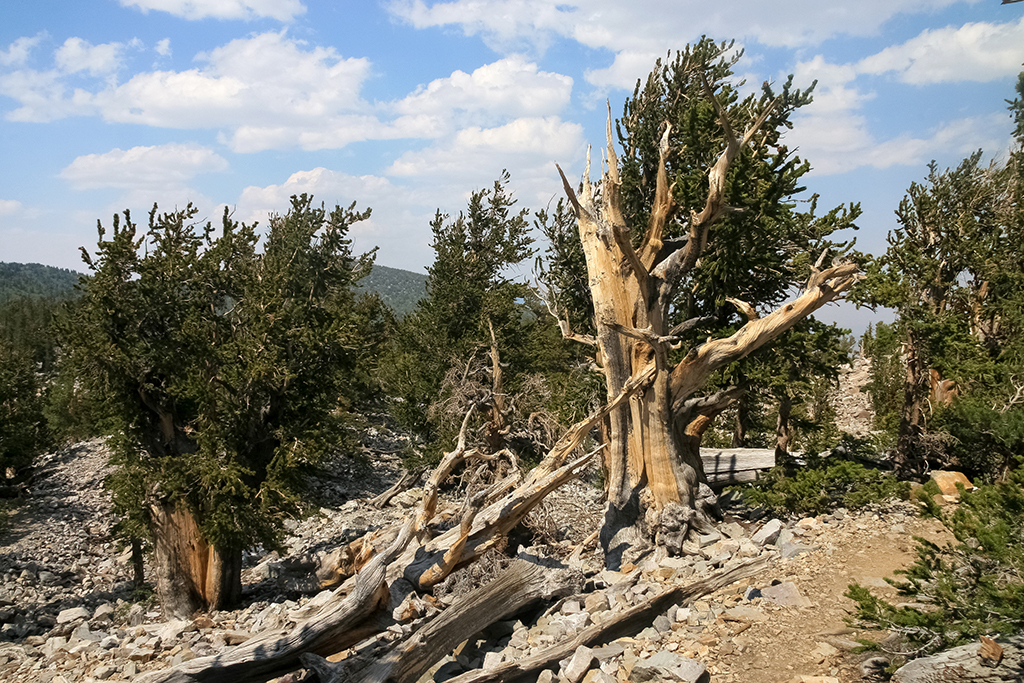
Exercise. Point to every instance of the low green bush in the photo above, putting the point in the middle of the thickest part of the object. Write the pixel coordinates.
(971, 587)
(822, 485)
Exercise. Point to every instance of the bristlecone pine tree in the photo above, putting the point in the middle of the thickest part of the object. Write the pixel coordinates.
(222, 370)
(706, 181)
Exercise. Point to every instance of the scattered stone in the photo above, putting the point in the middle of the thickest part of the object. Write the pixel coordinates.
(768, 533)
(785, 594)
(665, 665)
(596, 602)
(72, 614)
(947, 481)
(578, 664)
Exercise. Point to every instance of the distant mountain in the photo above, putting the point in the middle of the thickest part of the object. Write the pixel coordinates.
(399, 289)
(19, 280)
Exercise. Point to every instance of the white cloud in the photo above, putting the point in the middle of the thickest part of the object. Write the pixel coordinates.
(42, 95)
(973, 52)
(268, 91)
(17, 52)
(834, 133)
(9, 206)
(163, 47)
(623, 72)
(267, 78)
(525, 141)
(143, 168)
(79, 55)
(330, 187)
(842, 141)
(510, 86)
(653, 26)
(281, 10)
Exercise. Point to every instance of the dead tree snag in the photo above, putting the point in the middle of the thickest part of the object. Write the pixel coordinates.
(653, 441)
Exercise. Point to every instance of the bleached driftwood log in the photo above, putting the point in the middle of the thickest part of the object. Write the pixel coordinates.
(627, 623)
(355, 612)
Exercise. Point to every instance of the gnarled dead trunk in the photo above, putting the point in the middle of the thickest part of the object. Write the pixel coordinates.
(653, 455)
(191, 574)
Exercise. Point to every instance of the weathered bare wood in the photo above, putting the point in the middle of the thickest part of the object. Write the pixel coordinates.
(352, 614)
(519, 585)
(721, 461)
(404, 483)
(966, 663)
(696, 368)
(627, 623)
(339, 624)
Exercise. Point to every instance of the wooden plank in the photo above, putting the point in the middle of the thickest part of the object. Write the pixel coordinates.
(722, 460)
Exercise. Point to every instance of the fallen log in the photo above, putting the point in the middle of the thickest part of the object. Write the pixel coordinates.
(724, 466)
(628, 623)
(404, 483)
(519, 585)
(354, 612)
(985, 662)
(275, 653)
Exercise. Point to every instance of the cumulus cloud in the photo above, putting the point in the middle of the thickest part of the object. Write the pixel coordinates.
(163, 47)
(834, 133)
(268, 91)
(266, 78)
(143, 168)
(973, 52)
(281, 10)
(9, 206)
(653, 26)
(623, 72)
(79, 55)
(331, 187)
(511, 86)
(17, 53)
(533, 140)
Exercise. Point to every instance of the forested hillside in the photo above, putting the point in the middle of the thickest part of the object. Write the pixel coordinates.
(33, 279)
(399, 289)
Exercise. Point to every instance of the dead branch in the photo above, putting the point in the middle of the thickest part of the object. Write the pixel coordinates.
(748, 311)
(693, 371)
(519, 585)
(628, 623)
(355, 611)
(404, 483)
(563, 325)
(338, 625)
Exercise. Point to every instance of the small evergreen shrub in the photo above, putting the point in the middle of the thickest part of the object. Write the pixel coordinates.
(973, 587)
(823, 485)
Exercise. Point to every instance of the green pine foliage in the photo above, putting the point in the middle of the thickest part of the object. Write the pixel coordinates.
(954, 272)
(759, 252)
(822, 485)
(221, 370)
(973, 586)
(439, 361)
(882, 345)
(23, 431)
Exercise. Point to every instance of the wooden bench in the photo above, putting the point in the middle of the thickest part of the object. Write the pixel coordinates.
(725, 466)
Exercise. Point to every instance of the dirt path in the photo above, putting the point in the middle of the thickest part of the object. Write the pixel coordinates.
(814, 640)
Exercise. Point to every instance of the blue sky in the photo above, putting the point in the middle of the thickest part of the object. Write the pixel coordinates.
(407, 106)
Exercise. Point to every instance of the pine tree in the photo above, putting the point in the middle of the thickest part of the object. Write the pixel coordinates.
(441, 356)
(222, 370)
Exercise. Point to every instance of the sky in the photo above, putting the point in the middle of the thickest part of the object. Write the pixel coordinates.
(407, 106)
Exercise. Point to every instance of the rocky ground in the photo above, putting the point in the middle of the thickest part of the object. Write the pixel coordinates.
(68, 614)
